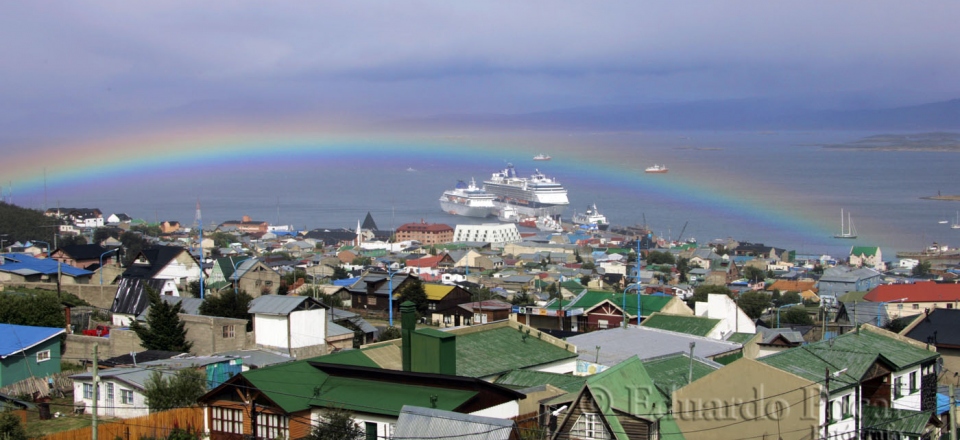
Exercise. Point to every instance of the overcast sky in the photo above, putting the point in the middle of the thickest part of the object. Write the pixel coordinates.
(101, 65)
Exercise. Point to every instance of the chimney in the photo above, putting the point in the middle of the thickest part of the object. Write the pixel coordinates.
(408, 324)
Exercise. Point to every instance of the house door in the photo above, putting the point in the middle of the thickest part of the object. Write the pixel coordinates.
(108, 403)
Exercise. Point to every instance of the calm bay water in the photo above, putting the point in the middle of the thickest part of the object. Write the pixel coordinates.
(781, 189)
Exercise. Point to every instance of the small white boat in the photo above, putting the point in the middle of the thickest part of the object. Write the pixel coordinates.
(849, 231)
(541, 156)
(956, 225)
(657, 169)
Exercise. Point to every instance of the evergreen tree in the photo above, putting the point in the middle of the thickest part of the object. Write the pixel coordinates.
(164, 330)
(340, 273)
(10, 427)
(413, 291)
(227, 305)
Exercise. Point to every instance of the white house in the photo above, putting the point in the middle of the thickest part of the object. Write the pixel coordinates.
(296, 325)
(121, 391)
(724, 308)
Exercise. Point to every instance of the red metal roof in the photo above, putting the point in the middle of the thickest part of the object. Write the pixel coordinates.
(918, 292)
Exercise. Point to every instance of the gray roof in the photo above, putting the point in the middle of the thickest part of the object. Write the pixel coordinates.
(279, 304)
(618, 344)
(257, 358)
(334, 329)
(769, 334)
(426, 423)
(136, 377)
(847, 274)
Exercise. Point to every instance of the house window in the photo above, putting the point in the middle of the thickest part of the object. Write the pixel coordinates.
(228, 331)
(589, 427)
(845, 407)
(898, 388)
(431, 306)
(87, 391)
(829, 409)
(914, 386)
(603, 323)
(916, 307)
(372, 300)
(370, 429)
(126, 396)
(227, 420)
(43, 355)
(109, 397)
(272, 426)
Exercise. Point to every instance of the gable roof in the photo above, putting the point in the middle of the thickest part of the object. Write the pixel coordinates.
(927, 291)
(670, 372)
(132, 297)
(18, 338)
(940, 327)
(436, 292)
(282, 305)
(417, 422)
(854, 352)
(618, 344)
(693, 325)
(867, 251)
(158, 257)
(591, 299)
(25, 265)
(521, 379)
(793, 286)
(83, 251)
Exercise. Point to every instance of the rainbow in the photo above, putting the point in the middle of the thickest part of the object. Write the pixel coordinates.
(88, 165)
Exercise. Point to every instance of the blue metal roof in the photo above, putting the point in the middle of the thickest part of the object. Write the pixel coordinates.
(345, 282)
(17, 338)
(27, 264)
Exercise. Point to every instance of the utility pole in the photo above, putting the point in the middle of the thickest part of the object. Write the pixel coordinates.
(96, 389)
(953, 414)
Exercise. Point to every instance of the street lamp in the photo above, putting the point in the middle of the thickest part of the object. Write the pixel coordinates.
(101, 262)
(783, 307)
(880, 307)
(624, 306)
(391, 270)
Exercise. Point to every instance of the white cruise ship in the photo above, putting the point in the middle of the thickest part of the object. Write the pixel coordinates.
(531, 196)
(468, 201)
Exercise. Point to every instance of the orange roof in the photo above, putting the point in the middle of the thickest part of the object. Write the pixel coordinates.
(793, 286)
(919, 292)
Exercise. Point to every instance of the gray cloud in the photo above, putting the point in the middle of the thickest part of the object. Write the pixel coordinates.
(90, 60)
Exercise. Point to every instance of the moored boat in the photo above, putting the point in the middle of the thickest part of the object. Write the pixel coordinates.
(657, 169)
(530, 196)
(591, 217)
(467, 200)
(541, 156)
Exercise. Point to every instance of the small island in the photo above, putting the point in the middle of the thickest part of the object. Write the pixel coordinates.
(937, 141)
(949, 198)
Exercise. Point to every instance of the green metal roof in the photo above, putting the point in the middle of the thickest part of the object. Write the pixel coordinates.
(691, 325)
(296, 386)
(289, 385)
(740, 338)
(355, 358)
(864, 250)
(385, 397)
(670, 372)
(902, 421)
(617, 386)
(519, 379)
(854, 351)
(573, 285)
(485, 353)
(649, 303)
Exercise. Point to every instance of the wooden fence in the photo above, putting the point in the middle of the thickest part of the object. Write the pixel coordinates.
(154, 426)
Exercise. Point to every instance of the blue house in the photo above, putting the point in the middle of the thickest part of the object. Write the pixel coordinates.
(27, 351)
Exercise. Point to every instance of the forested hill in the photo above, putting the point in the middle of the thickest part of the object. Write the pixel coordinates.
(22, 224)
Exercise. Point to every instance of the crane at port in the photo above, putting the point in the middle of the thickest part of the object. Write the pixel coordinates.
(680, 237)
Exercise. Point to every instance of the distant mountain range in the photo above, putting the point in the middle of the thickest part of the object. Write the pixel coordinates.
(718, 115)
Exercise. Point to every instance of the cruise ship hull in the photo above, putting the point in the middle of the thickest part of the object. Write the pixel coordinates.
(467, 211)
(534, 196)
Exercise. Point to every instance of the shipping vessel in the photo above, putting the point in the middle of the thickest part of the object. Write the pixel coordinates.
(591, 217)
(657, 169)
(531, 196)
(467, 200)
